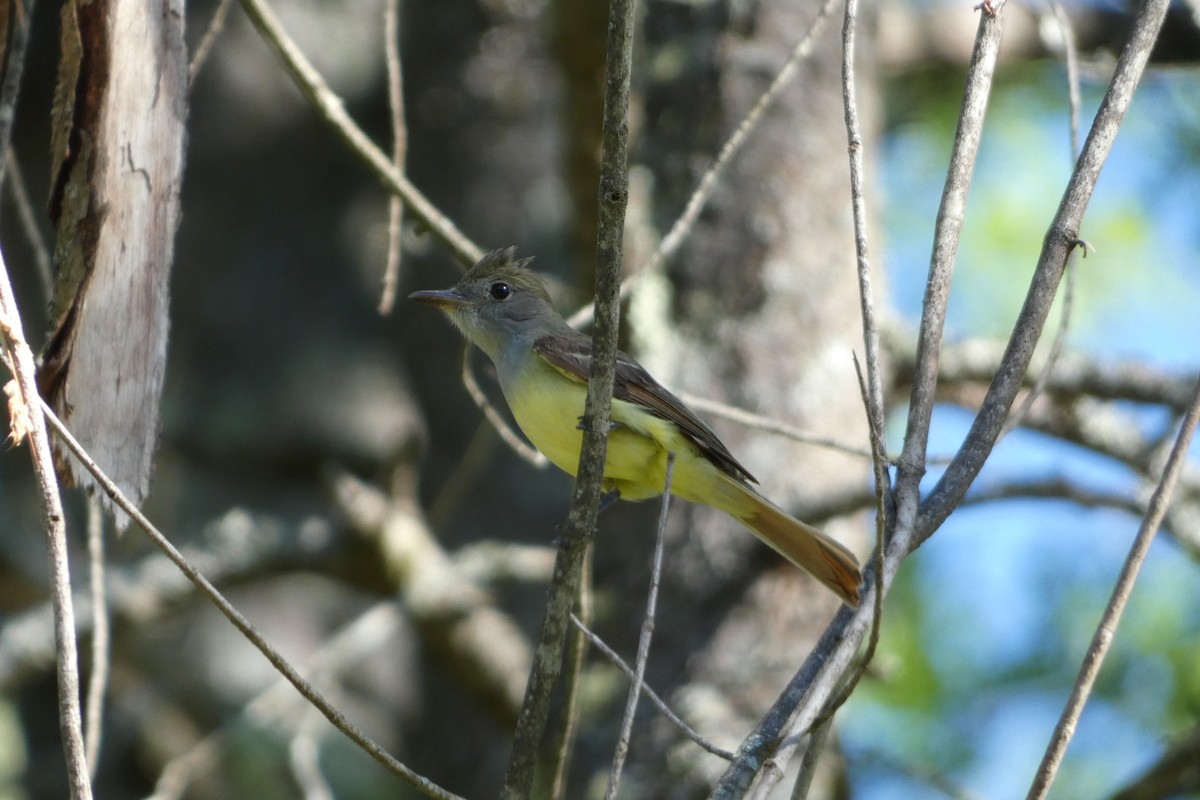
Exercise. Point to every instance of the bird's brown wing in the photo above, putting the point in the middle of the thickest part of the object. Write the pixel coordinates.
(572, 356)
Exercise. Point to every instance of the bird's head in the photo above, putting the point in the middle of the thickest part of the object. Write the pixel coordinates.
(498, 299)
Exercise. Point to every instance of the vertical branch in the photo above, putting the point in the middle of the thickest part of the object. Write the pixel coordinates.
(643, 654)
(581, 518)
(576, 656)
(941, 265)
(391, 40)
(13, 68)
(25, 398)
(98, 682)
(859, 205)
(1107, 629)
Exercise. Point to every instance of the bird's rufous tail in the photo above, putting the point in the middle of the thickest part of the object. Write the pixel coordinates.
(802, 544)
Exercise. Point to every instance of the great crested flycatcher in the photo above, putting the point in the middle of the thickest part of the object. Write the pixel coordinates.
(543, 366)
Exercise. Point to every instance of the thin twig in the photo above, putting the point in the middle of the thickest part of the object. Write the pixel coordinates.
(1071, 51)
(812, 756)
(29, 224)
(304, 756)
(660, 704)
(510, 437)
(874, 395)
(395, 74)
(881, 525)
(643, 653)
(215, 27)
(330, 106)
(24, 401)
(950, 216)
(14, 66)
(1107, 628)
(678, 234)
(580, 525)
(206, 588)
(98, 682)
(761, 423)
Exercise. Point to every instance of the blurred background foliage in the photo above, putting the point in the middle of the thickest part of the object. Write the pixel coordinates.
(279, 366)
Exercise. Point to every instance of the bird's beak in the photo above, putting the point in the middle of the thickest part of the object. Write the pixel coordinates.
(445, 299)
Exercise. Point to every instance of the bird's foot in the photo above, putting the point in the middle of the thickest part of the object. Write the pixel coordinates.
(607, 499)
(583, 426)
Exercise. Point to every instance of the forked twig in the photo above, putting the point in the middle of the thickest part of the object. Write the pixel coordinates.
(1061, 238)
(803, 700)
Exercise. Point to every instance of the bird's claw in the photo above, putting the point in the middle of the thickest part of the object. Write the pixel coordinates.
(607, 499)
(583, 426)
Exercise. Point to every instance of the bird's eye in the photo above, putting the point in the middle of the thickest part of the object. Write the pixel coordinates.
(500, 290)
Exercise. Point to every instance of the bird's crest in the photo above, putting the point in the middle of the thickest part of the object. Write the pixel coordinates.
(502, 265)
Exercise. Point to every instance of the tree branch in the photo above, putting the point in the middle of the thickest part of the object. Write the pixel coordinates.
(329, 105)
(26, 420)
(581, 517)
(1061, 238)
(805, 695)
(1107, 628)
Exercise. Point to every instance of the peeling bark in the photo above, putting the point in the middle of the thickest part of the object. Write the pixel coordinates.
(117, 148)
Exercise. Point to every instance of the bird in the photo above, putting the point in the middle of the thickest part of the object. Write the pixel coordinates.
(502, 307)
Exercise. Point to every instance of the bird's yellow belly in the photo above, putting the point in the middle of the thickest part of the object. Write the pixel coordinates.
(548, 410)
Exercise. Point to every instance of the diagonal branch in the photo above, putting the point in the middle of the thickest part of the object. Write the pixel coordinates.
(1107, 628)
(313, 86)
(1061, 239)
